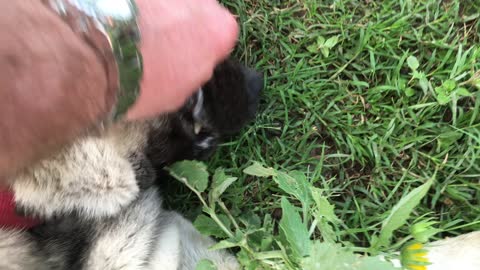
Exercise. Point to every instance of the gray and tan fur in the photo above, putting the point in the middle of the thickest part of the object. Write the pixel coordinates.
(98, 198)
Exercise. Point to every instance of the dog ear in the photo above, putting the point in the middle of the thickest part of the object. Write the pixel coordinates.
(231, 97)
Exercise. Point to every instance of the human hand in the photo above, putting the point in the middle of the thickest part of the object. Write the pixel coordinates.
(182, 41)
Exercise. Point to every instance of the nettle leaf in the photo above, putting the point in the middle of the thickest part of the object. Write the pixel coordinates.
(295, 183)
(294, 231)
(257, 169)
(401, 212)
(412, 63)
(205, 264)
(335, 257)
(192, 173)
(220, 183)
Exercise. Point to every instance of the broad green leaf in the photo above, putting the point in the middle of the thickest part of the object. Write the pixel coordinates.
(443, 98)
(324, 207)
(320, 41)
(327, 256)
(295, 183)
(422, 80)
(247, 262)
(205, 264)
(463, 92)
(449, 86)
(476, 83)
(440, 90)
(207, 226)
(412, 63)
(335, 257)
(229, 243)
(220, 183)
(374, 263)
(251, 219)
(331, 42)
(256, 169)
(446, 89)
(402, 84)
(294, 231)
(325, 51)
(418, 75)
(324, 214)
(423, 83)
(326, 230)
(446, 139)
(401, 212)
(409, 92)
(192, 173)
(313, 48)
(266, 243)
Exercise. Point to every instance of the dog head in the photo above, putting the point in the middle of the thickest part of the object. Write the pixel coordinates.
(221, 107)
(228, 101)
(96, 176)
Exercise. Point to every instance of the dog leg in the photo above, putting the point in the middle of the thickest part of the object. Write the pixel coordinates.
(180, 247)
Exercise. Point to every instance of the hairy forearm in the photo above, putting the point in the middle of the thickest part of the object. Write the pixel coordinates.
(52, 85)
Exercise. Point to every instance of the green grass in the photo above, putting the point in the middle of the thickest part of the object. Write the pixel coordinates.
(346, 104)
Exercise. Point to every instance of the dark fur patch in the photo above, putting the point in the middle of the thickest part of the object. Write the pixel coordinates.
(230, 101)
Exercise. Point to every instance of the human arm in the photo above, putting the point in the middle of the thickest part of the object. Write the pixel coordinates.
(53, 86)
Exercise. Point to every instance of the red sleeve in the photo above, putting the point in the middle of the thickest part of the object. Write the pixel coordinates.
(8, 217)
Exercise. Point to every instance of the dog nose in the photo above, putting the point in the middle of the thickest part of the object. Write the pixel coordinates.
(254, 82)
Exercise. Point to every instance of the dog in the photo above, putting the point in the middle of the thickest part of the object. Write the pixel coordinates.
(98, 198)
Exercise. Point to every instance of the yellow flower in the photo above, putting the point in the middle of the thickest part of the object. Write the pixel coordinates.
(414, 256)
